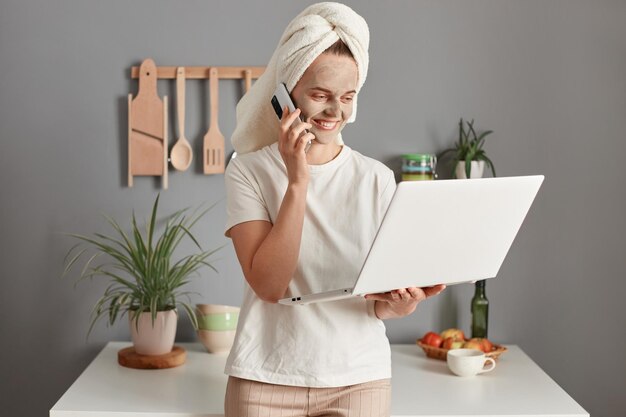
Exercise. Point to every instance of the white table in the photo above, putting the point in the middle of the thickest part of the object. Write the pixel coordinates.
(420, 387)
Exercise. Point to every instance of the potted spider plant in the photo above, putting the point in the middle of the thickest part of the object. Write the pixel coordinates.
(145, 281)
(469, 156)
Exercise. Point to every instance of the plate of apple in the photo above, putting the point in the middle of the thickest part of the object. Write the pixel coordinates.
(437, 345)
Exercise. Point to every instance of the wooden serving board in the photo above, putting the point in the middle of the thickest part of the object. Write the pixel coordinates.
(147, 127)
(130, 359)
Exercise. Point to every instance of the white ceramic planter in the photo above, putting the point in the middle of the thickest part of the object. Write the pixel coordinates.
(157, 339)
(478, 167)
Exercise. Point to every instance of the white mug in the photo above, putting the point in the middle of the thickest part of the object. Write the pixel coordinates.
(468, 362)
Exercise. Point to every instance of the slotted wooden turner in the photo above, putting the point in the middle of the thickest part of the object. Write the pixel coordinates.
(213, 144)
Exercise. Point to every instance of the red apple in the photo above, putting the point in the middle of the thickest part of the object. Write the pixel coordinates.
(455, 333)
(473, 344)
(485, 345)
(432, 339)
(452, 343)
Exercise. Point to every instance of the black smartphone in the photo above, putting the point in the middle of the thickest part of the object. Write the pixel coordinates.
(280, 99)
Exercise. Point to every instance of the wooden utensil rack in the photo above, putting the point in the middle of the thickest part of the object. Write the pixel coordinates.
(203, 72)
(155, 115)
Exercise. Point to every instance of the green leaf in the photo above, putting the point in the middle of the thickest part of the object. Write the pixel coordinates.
(488, 161)
(74, 259)
(88, 263)
(481, 139)
(468, 166)
(442, 154)
(191, 314)
(471, 130)
(152, 223)
(129, 246)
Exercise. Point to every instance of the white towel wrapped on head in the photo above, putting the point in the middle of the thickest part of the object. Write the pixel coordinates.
(309, 34)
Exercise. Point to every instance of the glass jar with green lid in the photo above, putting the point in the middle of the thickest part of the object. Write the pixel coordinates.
(418, 167)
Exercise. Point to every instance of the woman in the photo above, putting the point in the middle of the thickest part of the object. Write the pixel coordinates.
(302, 223)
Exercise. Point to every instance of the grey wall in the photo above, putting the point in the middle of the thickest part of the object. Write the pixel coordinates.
(546, 76)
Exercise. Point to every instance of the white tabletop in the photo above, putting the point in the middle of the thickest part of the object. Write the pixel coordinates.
(420, 387)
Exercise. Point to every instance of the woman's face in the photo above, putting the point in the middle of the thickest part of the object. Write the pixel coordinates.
(325, 93)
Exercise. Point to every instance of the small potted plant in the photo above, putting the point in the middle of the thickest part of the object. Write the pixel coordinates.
(469, 155)
(145, 281)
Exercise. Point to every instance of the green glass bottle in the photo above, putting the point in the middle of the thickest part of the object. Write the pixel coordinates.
(480, 310)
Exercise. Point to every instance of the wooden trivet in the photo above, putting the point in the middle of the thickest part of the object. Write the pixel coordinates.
(129, 358)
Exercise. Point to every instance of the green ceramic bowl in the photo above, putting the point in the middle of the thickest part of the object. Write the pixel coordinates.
(218, 321)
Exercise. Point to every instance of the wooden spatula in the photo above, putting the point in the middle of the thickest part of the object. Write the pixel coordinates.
(213, 145)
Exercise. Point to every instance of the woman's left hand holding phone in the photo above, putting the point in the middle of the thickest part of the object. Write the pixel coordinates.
(292, 141)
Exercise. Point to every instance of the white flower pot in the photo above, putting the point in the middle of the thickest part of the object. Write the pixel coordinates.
(478, 167)
(157, 339)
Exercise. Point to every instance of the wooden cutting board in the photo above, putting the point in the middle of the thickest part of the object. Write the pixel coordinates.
(130, 359)
(147, 127)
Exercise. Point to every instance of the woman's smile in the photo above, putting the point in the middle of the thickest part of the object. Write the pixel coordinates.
(326, 125)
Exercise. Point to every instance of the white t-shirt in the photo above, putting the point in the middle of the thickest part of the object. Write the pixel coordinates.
(328, 344)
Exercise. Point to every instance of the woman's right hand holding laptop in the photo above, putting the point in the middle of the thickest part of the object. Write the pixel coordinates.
(401, 302)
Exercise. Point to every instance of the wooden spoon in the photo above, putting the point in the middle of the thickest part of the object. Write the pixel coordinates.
(181, 154)
(213, 146)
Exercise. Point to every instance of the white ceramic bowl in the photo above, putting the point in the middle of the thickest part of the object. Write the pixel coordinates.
(217, 317)
(217, 341)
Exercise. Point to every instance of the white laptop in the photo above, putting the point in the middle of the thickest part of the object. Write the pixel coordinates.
(440, 232)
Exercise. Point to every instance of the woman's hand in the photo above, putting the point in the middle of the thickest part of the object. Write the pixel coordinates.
(401, 302)
(291, 146)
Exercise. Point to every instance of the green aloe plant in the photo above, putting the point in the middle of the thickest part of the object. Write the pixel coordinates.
(140, 267)
(469, 149)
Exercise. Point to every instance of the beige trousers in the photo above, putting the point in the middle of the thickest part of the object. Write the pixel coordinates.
(245, 398)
